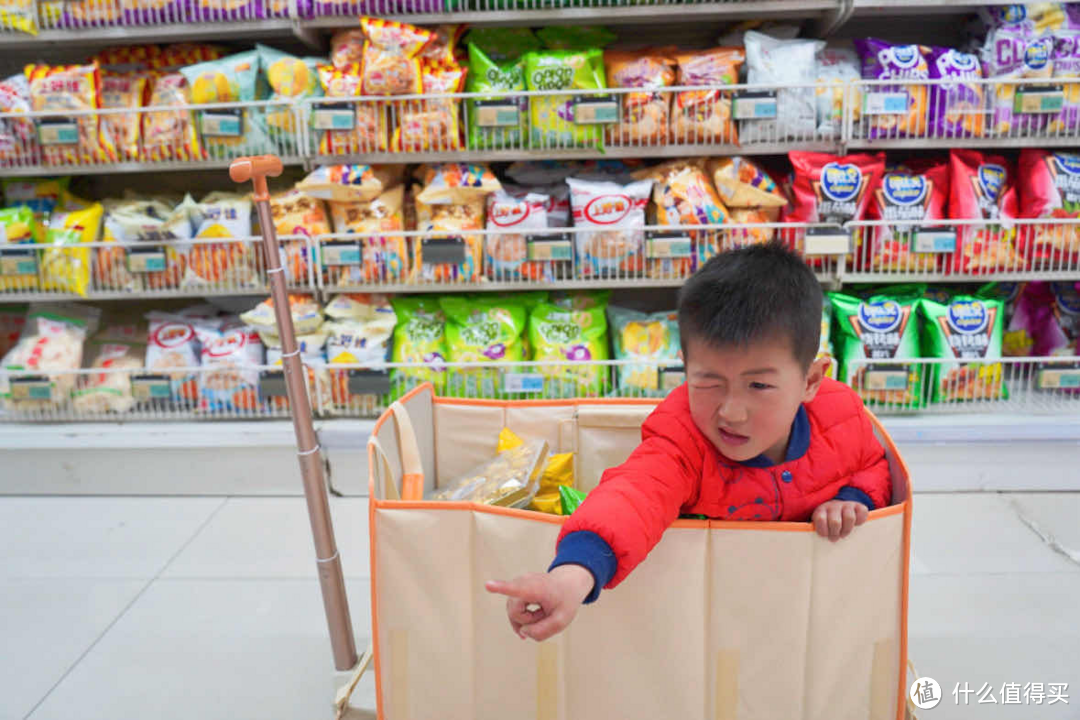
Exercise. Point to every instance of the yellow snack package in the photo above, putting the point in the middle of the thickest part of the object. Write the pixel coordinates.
(559, 470)
(65, 266)
(19, 15)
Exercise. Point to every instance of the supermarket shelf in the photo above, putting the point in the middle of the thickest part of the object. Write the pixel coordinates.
(162, 33)
(984, 143)
(893, 7)
(126, 167)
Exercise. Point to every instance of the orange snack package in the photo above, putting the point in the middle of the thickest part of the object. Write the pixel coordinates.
(443, 44)
(369, 134)
(169, 134)
(432, 125)
(704, 116)
(124, 91)
(66, 140)
(295, 213)
(391, 63)
(347, 48)
(645, 115)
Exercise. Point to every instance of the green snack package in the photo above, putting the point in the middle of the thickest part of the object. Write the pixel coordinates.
(420, 337)
(575, 38)
(561, 121)
(227, 133)
(652, 339)
(881, 327)
(560, 334)
(571, 498)
(496, 122)
(503, 44)
(967, 331)
(483, 330)
(582, 300)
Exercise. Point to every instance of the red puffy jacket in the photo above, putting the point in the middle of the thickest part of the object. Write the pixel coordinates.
(676, 470)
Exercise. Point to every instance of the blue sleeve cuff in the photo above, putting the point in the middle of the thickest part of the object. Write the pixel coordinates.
(854, 494)
(592, 552)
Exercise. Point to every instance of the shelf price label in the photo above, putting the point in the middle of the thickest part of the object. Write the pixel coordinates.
(1039, 99)
(672, 377)
(338, 116)
(146, 388)
(879, 379)
(368, 382)
(443, 251)
(222, 123)
(662, 246)
(827, 241)
(519, 383)
(18, 262)
(342, 253)
(1059, 379)
(595, 110)
(35, 387)
(497, 113)
(58, 131)
(754, 105)
(885, 103)
(549, 247)
(151, 259)
(934, 240)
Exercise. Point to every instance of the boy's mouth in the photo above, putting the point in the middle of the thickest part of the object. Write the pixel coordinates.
(732, 438)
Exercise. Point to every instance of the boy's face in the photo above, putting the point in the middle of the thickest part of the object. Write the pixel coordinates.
(744, 398)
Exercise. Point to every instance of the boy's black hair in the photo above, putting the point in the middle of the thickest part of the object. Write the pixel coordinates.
(751, 293)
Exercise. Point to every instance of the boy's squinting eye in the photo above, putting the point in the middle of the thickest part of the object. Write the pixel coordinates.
(760, 386)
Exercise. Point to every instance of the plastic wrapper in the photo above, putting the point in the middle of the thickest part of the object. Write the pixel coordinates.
(558, 472)
(967, 331)
(614, 246)
(18, 138)
(837, 69)
(347, 48)
(18, 227)
(703, 117)
(652, 341)
(772, 61)
(916, 192)
(81, 139)
(152, 220)
(552, 117)
(1033, 329)
(511, 479)
(351, 183)
(234, 264)
(370, 127)
(306, 315)
(491, 122)
(366, 307)
(482, 329)
(1049, 184)
(125, 91)
(231, 357)
(65, 265)
(120, 350)
(957, 106)
(573, 37)
(503, 44)
(832, 188)
(384, 258)
(1016, 51)
(983, 187)
(571, 498)
(41, 196)
(884, 61)
(442, 48)
(432, 125)
(419, 337)
(20, 15)
(884, 326)
(645, 116)
(297, 214)
(574, 334)
(391, 64)
(1066, 309)
(173, 350)
(51, 342)
(228, 133)
(170, 134)
(506, 256)
(291, 79)
(449, 224)
(741, 183)
(450, 183)
(1066, 59)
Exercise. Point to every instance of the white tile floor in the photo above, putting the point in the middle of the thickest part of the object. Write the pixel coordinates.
(209, 608)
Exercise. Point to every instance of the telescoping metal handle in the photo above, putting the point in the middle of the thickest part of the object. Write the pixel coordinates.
(331, 579)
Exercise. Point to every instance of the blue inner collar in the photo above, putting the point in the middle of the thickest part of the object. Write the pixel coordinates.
(798, 443)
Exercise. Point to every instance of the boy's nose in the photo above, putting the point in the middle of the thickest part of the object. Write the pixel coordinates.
(732, 412)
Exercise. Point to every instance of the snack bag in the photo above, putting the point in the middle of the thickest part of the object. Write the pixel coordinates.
(957, 108)
(173, 349)
(65, 267)
(983, 187)
(231, 357)
(741, 183)
(571, 498)
(18, 227)
(351, 183)
(20, 15)
(291, 79)
(1067, 313)
(703, 117)
(494, 123)
(432, 125)
(683, 195)
(383, 257)
(645, 115)
(155, 220)
(558, 472)
(306, 315)
(967, 330)
(772, 61)
(450, 183)
(442, 48)
(511, 479)
(41, 196)
(881, 327)
(120, 349)
(914, 193)
(391, 65)
(18, 138)
(834, 189)
(52, 340)
(1033, 329)
(616, 214)
(1049, 184)
(552, 122)
(448, 224)
(1016, 51)
(420, 337)
(837, 69)
(507, 255)
(64, 88)
(362, 307)
(884, 61)
(369, 131)
(347, 48)
(125, 91)
(228, 133)
(559, 334)
(571, 37)
(653, 340)
(825, 348)
(170, 134)
(583, 300)
(1066, 59)
(297, 214)
(503, 44)
(481, 330)
(360, 332)
(226, 216)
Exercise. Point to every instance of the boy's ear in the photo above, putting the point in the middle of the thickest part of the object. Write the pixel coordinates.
(814, 376)
(682, 358)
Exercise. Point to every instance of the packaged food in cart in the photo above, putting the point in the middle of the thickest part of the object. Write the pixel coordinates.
(383, 258)
(65, 264)
(119, 351)
(228, 132)
(124, 91)
(882, 60)
(838, 69)
(351, 183)
(231, 356)
(1049, 183)
(19, 227)
(645, 116)
(420, 338)
(18, 138)
(791, 65)
(614, 216)
(355, 127)
(652, 341)
(983, 187)
(497, 121)
(511, 479)
(297, 215)
(50, 349)
(704, 117)
(967, 331)
(882, 327)
(432, 125)
(482, 329)
(522, 249)
(67, 139)
(911, 198)
(391, 57)
(571, 120)
(233, 263)
(957, 103)
(567, 334)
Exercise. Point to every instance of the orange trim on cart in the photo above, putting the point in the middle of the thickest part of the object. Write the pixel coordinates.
(374, 582)
(412, 486)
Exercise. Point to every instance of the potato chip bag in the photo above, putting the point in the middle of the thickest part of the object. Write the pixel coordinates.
(481, 329)
(916, 192)
(419, 337)
(507, 255)
(983, 187)
(1049, 183)
(369, 131)
(298, 214)
(499, 121)
(65, 267)
(652, 341)
(170, 134)
(741, 183)
(18, 138)
(234, 264)
(442, 48)
(884, 61)
(552, 117)
(19, 227)
(504, 44)
(449, 183)
(645, 117)
(615, 214)
(19, 15)
(448, 225)
(391, 65)
(66, 140)
(881, 327)
(703, 117)
(383, 257)
(347, 48)
(351, 183)
(1016, 51)
(558, 334)
(124, 91)
(228, 133)
(957, 108)
(432, 125)
(967, 331)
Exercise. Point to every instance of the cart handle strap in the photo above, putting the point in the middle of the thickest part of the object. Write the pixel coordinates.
(412, 477)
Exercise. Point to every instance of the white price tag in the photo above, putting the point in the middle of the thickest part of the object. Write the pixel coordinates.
(523, 383)
(827, 241)
(886, 380)
(755, 106)
(935, 240)
(661, 247)
(1059, 379)
(885, 103)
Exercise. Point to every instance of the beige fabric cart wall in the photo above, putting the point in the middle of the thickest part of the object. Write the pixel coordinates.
(723, 620)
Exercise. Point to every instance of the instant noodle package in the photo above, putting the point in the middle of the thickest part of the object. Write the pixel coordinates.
(915, 192)
(1050, 188)
(645, 117)
(561, 121)
(482, 329)
(983, 187)
(651, 339)
(967, 331)
(704, 116)
(569, 334)
(613, 216)
(884, 61)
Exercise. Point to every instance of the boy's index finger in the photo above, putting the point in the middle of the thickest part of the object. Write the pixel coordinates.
(514, 589)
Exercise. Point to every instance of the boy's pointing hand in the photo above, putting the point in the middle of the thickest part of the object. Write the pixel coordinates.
(541, 605)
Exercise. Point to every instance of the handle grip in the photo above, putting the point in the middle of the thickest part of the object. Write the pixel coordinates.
(256, 169)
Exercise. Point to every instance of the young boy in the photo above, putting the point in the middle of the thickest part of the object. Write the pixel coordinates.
(756, 433)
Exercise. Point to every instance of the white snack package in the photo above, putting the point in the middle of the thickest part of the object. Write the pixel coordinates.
(110, 391)
(172, 349)
(235, 354)
(837, 68)
(772, 61)
(616, 215)
(523, 213)
(52, 340)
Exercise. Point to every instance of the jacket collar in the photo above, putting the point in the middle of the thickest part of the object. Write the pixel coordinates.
(798, 443)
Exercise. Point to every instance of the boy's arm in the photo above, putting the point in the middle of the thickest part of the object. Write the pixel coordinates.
(624, 517)
(871, 484)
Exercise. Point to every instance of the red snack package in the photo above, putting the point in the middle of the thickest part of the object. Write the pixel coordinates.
(915, 192)
(1049, 188)
(983, 187)
(832, 188)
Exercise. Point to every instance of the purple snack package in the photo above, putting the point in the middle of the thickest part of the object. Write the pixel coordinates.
(322, 8)
(884, 61)
(956, 107)
(1016, 52)
(1067, 65)
(228, 10)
